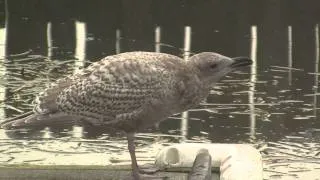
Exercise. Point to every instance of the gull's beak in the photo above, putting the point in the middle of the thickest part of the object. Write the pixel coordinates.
(241, 62)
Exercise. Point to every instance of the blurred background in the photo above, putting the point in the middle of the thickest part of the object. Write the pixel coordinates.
(273, 105)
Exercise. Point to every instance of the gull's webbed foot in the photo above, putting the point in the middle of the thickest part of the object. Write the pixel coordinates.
(148, 169)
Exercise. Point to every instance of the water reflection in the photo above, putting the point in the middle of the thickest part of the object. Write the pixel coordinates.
(2, 74)
(157, 39)
(274, 107)
(316, 69)
(49, 39)
(118, 40)
(187, 47)
(253, 80)
(290, 55)
(80, 49)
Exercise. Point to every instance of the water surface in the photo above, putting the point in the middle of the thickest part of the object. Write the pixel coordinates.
(273, 105)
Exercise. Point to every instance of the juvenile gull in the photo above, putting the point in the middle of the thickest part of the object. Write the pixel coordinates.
(129, 91)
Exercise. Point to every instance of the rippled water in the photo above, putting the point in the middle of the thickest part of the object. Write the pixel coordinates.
(273, 105)
(281, 121)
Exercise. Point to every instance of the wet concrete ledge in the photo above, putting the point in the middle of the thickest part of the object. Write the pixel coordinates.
(56, 172)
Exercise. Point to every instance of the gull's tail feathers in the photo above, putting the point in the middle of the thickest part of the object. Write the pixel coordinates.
(32, 120)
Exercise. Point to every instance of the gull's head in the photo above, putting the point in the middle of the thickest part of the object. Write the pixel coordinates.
(213, 66)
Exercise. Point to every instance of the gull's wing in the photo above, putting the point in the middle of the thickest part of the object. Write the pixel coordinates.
(121, 87)
(115, 88)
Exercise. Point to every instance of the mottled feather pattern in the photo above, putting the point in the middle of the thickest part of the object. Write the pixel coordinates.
(45, 102)
(116, 87)
(129, 90)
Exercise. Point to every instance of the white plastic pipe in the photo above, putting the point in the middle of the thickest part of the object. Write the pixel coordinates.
(235, 161)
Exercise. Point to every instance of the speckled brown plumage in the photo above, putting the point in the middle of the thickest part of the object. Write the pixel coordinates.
(129, 91)
(122, 89)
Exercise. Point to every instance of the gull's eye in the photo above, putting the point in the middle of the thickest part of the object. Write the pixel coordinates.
(213, 66)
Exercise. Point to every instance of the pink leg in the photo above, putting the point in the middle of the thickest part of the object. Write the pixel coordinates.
(136, 171)
(134, 164)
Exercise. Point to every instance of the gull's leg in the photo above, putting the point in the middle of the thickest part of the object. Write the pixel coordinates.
(136, 171)
(134, 164)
